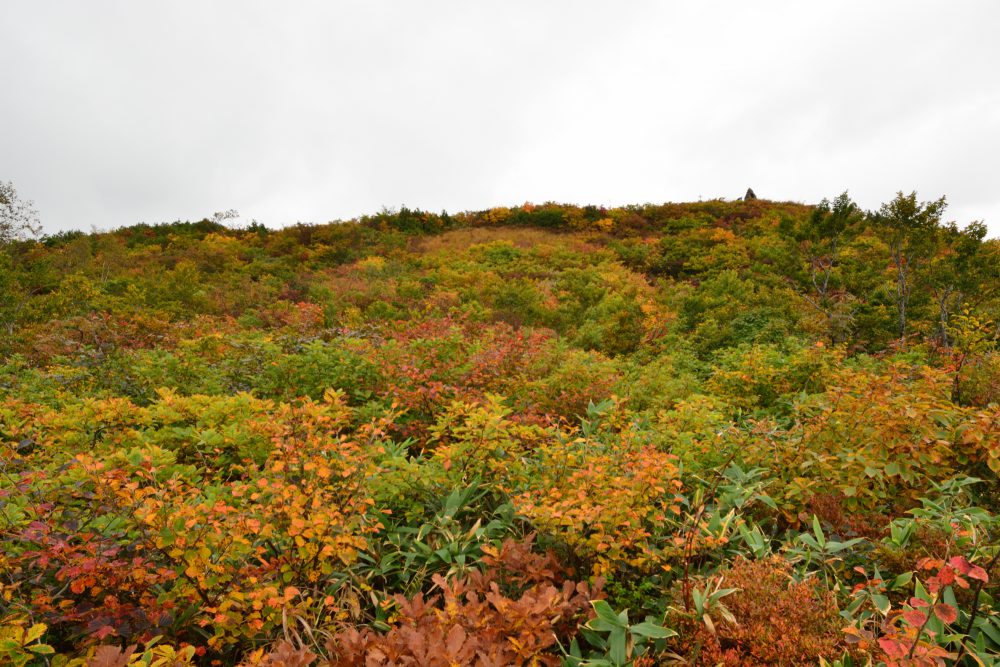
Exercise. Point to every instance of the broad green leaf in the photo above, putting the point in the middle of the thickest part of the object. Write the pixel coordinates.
(617, 646)
(652, 630)
(989, 629)
(901, 580)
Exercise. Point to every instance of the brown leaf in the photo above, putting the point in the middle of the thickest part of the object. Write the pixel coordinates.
(456, 638)
(111, 656)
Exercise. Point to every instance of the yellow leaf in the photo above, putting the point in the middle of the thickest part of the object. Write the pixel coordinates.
(34, 632)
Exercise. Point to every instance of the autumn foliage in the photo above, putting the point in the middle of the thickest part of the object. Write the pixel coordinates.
(707, 433)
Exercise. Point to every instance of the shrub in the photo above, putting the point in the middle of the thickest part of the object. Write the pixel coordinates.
(510, 614)
(775, 621)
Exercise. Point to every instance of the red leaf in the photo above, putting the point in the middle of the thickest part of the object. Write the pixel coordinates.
(915, 617)
(960, 564)
(946, 613)
(946, 576)
(976, 572)
(892, 647)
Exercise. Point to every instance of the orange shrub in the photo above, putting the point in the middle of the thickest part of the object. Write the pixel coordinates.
(607, 502)
(779, 621)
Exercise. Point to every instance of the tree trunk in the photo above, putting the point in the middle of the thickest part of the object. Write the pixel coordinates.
(943, 316)
(902, 292)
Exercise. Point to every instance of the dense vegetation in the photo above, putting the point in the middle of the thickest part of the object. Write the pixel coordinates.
(711, 433)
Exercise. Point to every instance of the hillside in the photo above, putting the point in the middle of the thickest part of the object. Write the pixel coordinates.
(769, 432)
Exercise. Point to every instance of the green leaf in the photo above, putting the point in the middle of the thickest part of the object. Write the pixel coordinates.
(651, 630)
(602, 625)
(901, 580)
(9, 646)
(606, 613)
(721, 593)
(818, 531)
(835, 547)
(699, 601)
(948, 595)
(767, 500)
(853, 607)
(810, 541)
(988, 628)
(881, 603)
(921, 592)
(593, 638)
(617, 646)
(41, 649)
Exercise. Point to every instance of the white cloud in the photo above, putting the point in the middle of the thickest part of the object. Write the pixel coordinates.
(116, 112)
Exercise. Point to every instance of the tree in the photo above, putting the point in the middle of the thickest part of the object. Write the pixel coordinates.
(819, 242)
(957, 271)
(221, 217)
(18, 218)
(909, 228)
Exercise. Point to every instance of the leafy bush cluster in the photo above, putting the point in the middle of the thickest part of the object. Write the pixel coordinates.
(712, 433)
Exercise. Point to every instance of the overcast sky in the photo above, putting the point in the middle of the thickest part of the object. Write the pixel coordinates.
(112, 113)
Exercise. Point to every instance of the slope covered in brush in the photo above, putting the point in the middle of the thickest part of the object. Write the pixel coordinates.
(768, 431)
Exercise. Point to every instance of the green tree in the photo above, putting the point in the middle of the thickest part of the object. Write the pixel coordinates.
(819, 242)
(910, 229)
(958, 270)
